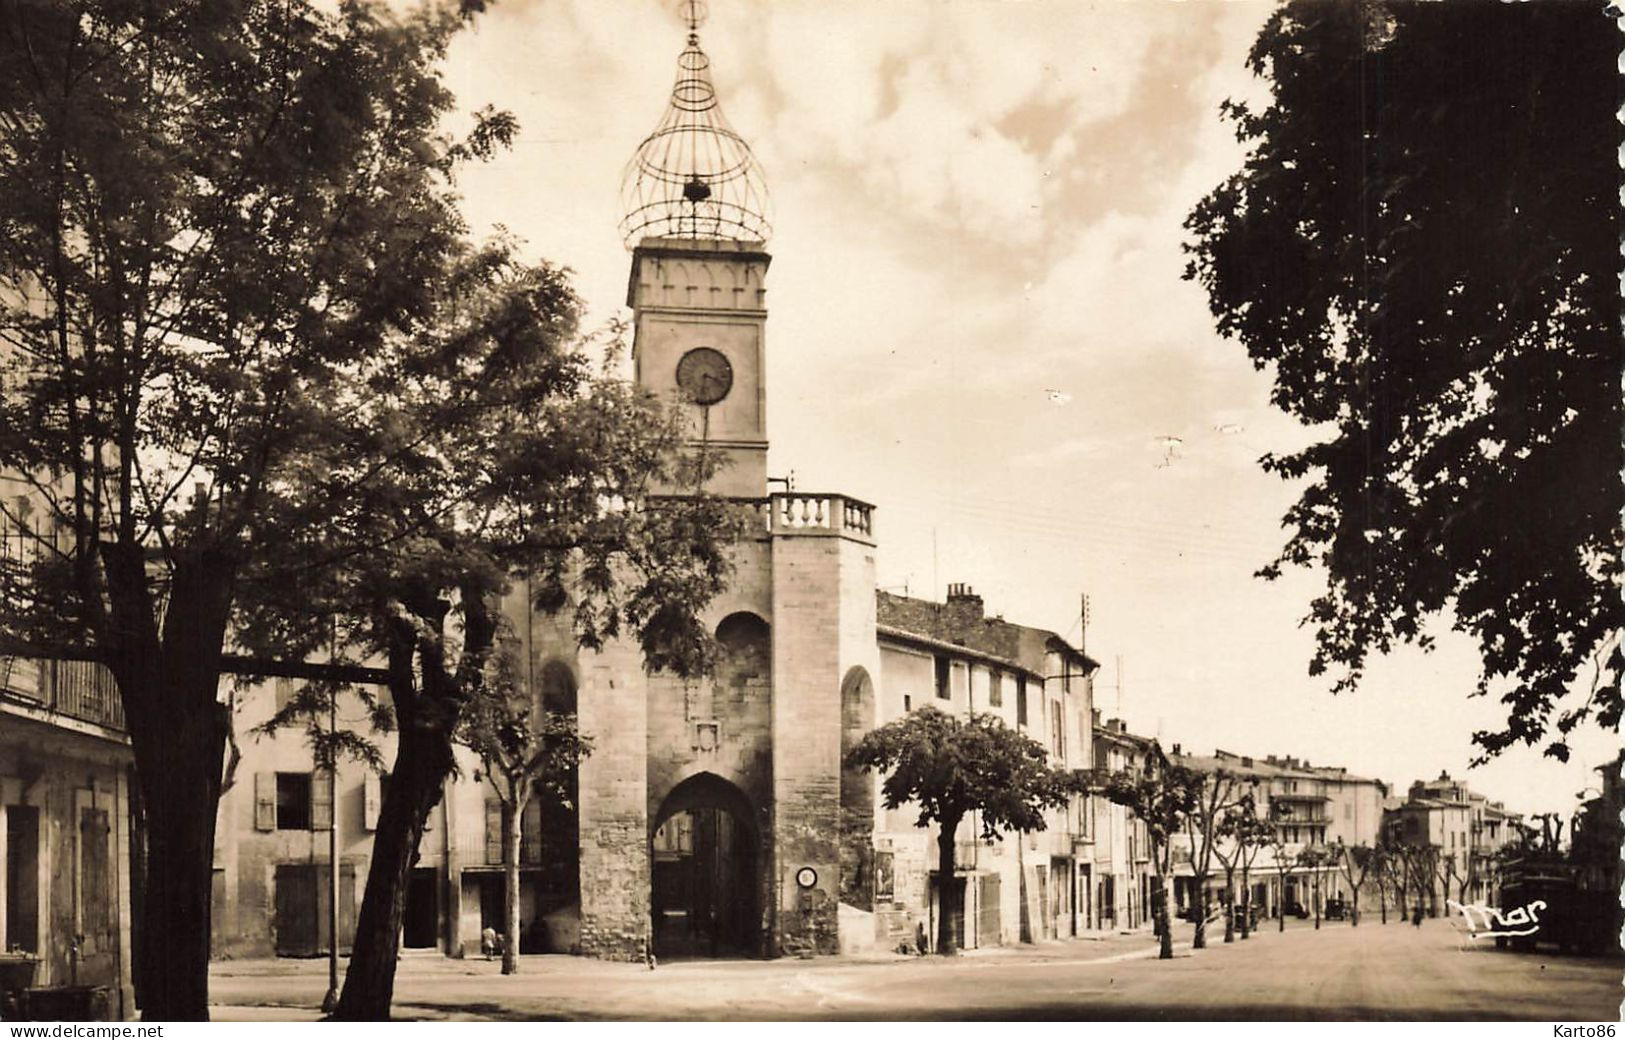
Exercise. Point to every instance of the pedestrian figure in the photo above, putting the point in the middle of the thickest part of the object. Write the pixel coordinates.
(1416, 917)
(490, 942)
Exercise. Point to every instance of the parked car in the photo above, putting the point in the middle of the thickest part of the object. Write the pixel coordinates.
(1336, 910)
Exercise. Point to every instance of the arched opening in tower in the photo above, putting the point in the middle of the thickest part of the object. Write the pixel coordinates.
(703, 882)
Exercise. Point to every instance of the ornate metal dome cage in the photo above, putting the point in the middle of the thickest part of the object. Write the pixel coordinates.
(694, 177)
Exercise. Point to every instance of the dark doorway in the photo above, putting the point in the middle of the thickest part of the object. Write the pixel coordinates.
(418, 926)
(704, 880)
(22, 878)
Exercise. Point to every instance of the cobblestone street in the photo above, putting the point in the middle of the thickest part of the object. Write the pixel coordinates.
(1340, 972)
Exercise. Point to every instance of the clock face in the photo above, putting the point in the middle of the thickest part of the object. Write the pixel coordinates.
(704, 375)
(806, 877)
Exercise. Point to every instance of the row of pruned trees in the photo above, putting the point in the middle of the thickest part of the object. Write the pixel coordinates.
(1217, 816)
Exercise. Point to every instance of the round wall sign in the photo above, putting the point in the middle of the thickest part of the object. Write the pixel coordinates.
(806, 877)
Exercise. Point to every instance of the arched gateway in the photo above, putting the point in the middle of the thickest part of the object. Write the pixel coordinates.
(703, 880)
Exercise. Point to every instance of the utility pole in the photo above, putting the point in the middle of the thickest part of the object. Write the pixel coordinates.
(1083, 615)
(330, 1001)
(1117, 688)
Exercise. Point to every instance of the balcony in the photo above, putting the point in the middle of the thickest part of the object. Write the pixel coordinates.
(82, 690)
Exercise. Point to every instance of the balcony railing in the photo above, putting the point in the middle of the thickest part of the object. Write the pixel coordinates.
(82, 690)
(801, 512)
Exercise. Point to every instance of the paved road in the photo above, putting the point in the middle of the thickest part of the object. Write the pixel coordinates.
(1339, 972)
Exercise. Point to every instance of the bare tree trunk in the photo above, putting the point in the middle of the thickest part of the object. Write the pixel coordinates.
(1246, 904)
(421, 767)
(1280, 906)
(1159, 911)
(513, 811)
(1199, 911)
(947, 890)
(1229, 905)
(169, 686)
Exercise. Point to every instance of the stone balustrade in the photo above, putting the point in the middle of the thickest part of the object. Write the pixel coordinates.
(801, 512)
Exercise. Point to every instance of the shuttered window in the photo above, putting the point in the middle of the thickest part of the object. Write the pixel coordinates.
(265, 801)
(372, 800)
(530, 846)
(493, 832)
(321, 800)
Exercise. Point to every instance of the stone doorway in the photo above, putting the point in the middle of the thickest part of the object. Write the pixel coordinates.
(703, 880)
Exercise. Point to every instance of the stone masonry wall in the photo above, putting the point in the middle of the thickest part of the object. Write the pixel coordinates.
(614, 805)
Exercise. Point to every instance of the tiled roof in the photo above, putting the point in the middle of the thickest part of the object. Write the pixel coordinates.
(961, 623)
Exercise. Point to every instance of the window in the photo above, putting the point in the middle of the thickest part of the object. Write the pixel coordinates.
(1021, 700)
(995, 688)
(908, 703)
(22, 895)
(943, 667)
(293, 801)
(1057, 730)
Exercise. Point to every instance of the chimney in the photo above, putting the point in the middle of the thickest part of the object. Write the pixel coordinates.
(1176, 749)
(963, 603)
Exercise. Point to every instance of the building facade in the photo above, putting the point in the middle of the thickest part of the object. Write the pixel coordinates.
(1463, 833)
(69, 848)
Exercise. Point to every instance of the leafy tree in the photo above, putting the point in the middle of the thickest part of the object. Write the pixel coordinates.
(1217, 793)
(507, 457)
(1422, 247)
(212, 219)
(1163, 795)
(950, 767)
(1242, 835)
(1357, 862)
(526, 750)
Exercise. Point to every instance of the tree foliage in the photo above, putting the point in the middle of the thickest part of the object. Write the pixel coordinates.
(212, 217)
(490, 444)
(1422, 249)
(948, 766)
(258, 378)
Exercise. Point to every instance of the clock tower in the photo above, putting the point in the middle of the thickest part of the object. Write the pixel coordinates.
(696, 220)
(699, 312)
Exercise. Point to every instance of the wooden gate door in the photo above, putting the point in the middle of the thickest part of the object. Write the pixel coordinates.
(988, 916)
(297, 921)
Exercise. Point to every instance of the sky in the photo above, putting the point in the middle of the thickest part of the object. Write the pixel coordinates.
(977, 322)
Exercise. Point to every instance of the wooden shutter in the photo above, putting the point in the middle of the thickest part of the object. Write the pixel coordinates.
(530, 849)
(265, 801)
(493, 832)
(372, 800)
(321, 800)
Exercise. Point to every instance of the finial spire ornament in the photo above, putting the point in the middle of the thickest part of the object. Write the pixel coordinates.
(694, 177)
